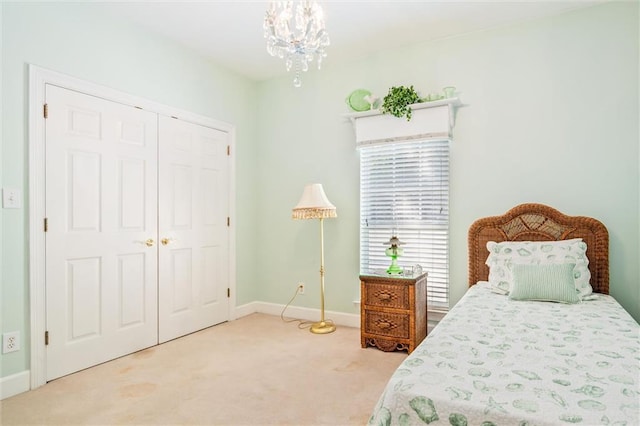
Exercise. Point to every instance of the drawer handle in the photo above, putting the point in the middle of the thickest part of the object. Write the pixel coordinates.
(384, 325)
(384, 297)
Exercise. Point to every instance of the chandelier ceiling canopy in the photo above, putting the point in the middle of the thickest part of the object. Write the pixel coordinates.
(296, 34)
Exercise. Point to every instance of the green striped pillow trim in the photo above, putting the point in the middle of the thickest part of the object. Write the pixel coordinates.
(549, 283)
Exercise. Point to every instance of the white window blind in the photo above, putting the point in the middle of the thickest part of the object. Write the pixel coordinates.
(404, 187)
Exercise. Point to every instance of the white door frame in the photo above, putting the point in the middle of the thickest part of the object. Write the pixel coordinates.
(38, 78)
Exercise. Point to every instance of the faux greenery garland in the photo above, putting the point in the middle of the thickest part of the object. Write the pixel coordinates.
(398, 100)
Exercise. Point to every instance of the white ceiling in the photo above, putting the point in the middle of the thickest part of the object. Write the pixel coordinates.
(230, 32)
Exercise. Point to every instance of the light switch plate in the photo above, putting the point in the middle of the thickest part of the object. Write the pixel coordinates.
(11, 198)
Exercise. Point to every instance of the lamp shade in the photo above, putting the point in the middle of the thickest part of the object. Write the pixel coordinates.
(314, 204)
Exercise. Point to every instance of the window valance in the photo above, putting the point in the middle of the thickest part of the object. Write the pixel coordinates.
(430, 120)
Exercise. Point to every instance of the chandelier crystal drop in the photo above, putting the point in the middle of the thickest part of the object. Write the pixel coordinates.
(296, 34)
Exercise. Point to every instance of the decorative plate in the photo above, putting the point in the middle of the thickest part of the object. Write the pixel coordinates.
(356, 100)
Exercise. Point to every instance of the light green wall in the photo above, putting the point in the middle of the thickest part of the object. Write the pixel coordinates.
(83, 41)
(550, 116)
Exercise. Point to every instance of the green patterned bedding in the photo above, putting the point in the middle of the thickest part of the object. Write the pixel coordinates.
(495, 361)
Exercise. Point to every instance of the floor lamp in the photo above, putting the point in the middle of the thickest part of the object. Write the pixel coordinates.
(314, 205)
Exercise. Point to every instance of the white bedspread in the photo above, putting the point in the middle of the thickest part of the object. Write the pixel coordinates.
(493, 361)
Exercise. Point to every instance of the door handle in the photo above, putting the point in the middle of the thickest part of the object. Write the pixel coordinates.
(167, 241)
(149, 242)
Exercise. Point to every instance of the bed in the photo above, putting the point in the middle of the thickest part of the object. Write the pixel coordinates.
(495, 360)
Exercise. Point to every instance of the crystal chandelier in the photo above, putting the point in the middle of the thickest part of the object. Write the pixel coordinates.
(299, 37)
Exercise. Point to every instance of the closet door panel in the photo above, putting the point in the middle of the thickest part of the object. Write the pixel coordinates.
(101, 205)
(193, 230)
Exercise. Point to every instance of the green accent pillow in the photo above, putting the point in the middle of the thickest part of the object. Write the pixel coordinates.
(549, 283)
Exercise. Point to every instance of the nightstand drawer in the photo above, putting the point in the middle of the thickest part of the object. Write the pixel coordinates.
(387, 324)
(388, 296)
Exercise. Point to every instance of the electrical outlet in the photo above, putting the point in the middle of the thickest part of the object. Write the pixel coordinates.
(300, 288)
(10, 342)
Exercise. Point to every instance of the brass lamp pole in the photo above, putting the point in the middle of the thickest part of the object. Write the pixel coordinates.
(314, 205)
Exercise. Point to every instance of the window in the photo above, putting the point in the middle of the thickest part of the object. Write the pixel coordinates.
(404, 188)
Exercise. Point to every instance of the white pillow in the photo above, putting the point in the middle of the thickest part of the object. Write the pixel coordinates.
(502, 256)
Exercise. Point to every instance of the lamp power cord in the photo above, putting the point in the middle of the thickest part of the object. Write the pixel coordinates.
(302, 324)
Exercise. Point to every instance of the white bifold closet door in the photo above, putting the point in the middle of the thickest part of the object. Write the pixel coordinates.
(137, 238)
(194, 235)
(101, 198)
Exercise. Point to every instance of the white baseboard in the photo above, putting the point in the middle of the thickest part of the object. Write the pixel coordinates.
(246, 309)
(14, 384)
(307, 314)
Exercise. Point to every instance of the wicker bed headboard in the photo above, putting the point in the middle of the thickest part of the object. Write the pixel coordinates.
(537, 222)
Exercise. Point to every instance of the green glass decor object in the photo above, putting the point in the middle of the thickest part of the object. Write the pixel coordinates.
(449, 91)
(358, 100)
(394, 251)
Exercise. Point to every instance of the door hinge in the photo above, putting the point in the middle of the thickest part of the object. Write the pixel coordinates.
(46, 338)
(228, 221)
(46, 224)
(45, 111)
(228, 292)
(228, 150)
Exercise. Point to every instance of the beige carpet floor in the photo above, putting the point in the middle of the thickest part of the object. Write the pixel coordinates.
(257, 370)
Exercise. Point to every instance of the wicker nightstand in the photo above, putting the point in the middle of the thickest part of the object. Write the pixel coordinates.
(393, 311)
